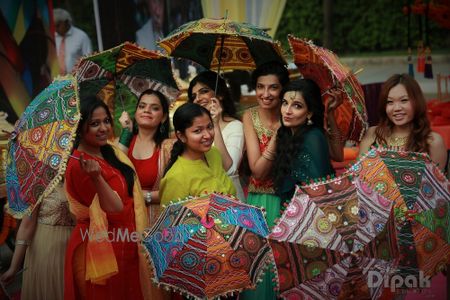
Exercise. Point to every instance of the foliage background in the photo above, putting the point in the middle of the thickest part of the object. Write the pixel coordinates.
(359, 26)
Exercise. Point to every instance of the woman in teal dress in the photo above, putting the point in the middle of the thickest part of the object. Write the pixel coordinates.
(195, 166)
(302, 149)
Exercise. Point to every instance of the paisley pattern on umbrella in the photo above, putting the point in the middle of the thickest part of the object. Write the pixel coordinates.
(323, 66)
(330, 236)
(243, 46)
(208, 246)
(119, 75)
(40, 145)
(421, 197)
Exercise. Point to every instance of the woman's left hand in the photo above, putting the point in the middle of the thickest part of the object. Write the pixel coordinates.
(215, 110)
(335, 98)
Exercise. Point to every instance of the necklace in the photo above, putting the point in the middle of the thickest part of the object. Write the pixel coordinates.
(398, 141)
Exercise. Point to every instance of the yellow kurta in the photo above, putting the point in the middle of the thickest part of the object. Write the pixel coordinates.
(195, 177)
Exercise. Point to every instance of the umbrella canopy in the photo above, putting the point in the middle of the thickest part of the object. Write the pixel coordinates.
(208, 246)
(324, 67)
(222, 44)
(40, 145)
(328, 239)
(119, 75)
(421, 196)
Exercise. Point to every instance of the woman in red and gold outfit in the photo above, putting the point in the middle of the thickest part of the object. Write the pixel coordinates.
(102, 258)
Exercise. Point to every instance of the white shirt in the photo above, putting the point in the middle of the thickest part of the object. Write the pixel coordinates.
(77, 43)
(147, 37)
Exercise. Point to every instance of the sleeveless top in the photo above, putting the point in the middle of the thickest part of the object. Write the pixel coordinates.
(261, 186)
(146, 169)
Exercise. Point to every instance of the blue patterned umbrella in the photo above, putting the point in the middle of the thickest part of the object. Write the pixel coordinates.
(40, 145)
(209, 246)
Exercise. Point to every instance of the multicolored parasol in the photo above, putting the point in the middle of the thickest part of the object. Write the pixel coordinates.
(119, 75)
(421, 196)
(329, 238)
(40, 145)
(222, 44)
(209, 246)
(324, 67)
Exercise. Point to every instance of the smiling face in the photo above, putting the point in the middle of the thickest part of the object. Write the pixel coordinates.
(399, 108)
(294, 110)
(97, 129)
(202, 94)
(268, 89)
(199, 137)
(149, 112)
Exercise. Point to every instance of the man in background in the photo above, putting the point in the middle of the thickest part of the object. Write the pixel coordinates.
(71, 42)
(152, 31)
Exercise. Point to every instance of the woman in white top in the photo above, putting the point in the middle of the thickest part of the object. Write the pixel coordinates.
(229, 132)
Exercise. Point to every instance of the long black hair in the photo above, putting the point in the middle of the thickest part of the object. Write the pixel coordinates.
(183, 118)
(208, 78)
(288, 144)
(87, 107)
(162, 132)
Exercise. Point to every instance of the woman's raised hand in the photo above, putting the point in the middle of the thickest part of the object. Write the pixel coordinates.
(90, 167)
(125, 121)
(215, 110)
(335, 98)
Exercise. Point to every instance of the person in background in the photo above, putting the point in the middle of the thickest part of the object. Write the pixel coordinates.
(195, 166)
(42, 240)
(106, 198)
(71, 42)
(302, 149)
(228, 130)
(153, 29)
(403, 121)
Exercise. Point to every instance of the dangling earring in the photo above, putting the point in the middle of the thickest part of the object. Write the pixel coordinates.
(162, 128)
(310, 122)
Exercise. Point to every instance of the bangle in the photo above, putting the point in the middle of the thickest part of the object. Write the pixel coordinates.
(23, 242)
(148, 197)
(125, 137)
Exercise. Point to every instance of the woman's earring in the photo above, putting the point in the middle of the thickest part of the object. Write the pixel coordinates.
(162, 128)
(310, 122)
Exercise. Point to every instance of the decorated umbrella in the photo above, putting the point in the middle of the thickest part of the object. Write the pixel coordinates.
(119, 75)
(208, 246)
(324, 67)
(421, 196)
(40, 145)
(331, 235)
(222, 44)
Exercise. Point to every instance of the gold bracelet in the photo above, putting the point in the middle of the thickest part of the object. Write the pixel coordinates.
(23, 242)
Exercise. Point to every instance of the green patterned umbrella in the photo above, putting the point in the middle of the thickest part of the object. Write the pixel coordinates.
(119, 75)
(222, 44)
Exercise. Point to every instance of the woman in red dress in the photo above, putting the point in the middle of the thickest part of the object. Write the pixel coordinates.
(102, 258)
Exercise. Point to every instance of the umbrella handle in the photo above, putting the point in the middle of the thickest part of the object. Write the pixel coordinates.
(220, 60)
(207, 221)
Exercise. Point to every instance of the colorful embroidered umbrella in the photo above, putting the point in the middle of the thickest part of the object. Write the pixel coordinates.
(329, 238)
(208, 246)
(119, 75)
(222, 44)
(40, 145)
(324, 67)
(421, 196)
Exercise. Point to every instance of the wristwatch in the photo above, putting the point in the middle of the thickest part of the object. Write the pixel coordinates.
(148, 197)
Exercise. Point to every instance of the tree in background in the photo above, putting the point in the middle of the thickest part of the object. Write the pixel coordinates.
(358, 26)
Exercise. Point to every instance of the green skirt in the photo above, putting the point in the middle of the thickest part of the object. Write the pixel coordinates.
(265, 289)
